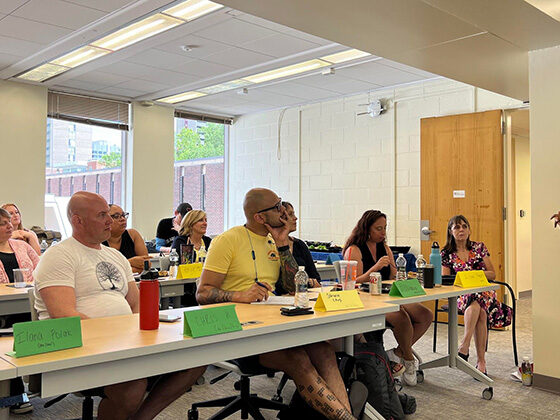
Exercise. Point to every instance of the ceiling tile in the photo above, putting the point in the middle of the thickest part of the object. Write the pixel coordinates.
(99, 77)
(204, 69)
(300, 91)
(336, 83)
(203, 47)
(224, 99)
(18, 47)
(279, 45)
(29, 30)
(379, 74)
(57, 12)
(141, 85)
(8, 6)
(170, 78)
(7, 60)
(78, 84)
(238, 58)
(160, 59)
(127, 93)
(406, 68)
(103, 5)
(234, 32)
(125, 68)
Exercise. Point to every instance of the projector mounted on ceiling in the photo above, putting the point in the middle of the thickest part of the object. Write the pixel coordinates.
(374, 109)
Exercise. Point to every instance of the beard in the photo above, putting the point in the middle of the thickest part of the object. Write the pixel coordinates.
(274, 223)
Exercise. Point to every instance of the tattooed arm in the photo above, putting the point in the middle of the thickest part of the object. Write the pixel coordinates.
(288, 269)
(209, 290)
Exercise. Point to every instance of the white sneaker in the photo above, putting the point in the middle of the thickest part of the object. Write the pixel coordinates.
(409, 375)
(393, 357)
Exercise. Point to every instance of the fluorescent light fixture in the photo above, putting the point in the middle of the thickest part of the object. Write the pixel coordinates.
(234, 84)
(192, 9)
(181, 97)
(287, 71)
(136, 32)
(344, 56)
(43, 72)
(80, 56)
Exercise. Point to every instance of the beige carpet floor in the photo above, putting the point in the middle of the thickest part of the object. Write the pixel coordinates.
(445, 393)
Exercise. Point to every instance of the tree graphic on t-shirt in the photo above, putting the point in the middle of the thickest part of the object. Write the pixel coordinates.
(108, 273)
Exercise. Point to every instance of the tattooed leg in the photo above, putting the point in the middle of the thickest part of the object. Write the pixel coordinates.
(312, 388)
(319, 397)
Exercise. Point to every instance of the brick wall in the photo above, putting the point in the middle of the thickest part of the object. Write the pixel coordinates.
(101, 182)
(349, 163)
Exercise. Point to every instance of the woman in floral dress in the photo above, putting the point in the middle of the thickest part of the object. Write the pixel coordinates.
(481, 310)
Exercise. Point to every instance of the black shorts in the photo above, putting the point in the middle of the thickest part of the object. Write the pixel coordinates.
(251, 365)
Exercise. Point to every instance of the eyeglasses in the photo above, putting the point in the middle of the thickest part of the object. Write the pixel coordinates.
(117, 216)
(277, 206)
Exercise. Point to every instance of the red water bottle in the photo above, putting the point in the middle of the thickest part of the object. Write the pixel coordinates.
(149, 304)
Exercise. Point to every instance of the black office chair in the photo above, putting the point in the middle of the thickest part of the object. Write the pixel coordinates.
(247, 403)
(444, 308)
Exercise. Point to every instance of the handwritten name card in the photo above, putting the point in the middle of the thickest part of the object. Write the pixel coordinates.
(407, 288)
(475, 278)
(338, 301)
(210, 321)
(189, 271)
(38, 337)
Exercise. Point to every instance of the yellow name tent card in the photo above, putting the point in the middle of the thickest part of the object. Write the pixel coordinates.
(473, 278)
(338, 301)
(189, 271)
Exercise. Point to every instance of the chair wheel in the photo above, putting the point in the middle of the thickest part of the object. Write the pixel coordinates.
(277, 398)
(237, 386)
(201, 380)
(193, 414)
(419, 376)
(488, 393)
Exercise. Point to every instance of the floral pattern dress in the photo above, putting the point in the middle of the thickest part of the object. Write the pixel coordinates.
(499, 315)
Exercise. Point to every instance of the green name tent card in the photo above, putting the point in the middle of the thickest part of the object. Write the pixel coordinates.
(407, 288)
(36, 337)
(210, 321)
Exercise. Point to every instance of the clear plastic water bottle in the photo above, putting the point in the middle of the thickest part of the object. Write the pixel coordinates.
(401, 267)
(526, 371)
(173, 263)
(201, 253)
(44, 245)
(301, 279)
(420, 264)
(53, 243)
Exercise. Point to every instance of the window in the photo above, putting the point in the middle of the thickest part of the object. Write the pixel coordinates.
(80, 157)
(199, 168)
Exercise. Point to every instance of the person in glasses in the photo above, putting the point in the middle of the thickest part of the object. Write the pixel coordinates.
(243, 265)
(128, 241)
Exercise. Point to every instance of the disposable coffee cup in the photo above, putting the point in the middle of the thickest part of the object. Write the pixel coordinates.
(349, 285)
(429, 276)
(20, 274)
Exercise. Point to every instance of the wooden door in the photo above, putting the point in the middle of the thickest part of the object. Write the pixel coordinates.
(462, 172)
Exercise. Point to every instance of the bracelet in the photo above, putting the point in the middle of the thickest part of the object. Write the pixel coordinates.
(283, 248)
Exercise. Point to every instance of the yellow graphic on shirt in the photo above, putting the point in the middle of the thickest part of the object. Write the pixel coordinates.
(273, 255)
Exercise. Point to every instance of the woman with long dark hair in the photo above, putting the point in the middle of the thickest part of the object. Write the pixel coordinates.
(480, 309)
(367, 246)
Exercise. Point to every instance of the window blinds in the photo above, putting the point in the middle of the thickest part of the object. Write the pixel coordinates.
(203, 117)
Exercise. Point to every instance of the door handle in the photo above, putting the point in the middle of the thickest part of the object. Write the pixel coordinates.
(426, 231)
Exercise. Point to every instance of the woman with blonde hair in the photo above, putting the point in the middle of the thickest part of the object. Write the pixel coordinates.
(192, 231)
(19, 231)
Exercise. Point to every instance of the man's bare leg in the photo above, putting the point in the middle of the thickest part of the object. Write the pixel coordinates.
(311, 386)
(168, 389)
(323, 358)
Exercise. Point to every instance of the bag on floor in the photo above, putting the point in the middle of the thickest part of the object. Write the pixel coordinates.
(373, 370)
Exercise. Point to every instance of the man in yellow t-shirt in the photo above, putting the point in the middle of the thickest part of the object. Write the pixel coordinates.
(243, 265)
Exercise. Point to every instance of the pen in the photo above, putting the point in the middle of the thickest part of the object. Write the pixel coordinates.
(260, 284)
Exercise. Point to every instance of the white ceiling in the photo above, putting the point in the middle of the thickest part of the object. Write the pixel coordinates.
(227, 44)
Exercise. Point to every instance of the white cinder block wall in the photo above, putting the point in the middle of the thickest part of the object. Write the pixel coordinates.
(333, 165)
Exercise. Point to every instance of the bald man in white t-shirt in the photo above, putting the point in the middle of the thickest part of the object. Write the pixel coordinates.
(81, 277)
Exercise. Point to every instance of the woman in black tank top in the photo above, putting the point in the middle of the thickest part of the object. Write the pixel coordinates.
(128, 241)
(366, 245)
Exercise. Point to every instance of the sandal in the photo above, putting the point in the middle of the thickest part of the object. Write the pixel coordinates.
(463, 356)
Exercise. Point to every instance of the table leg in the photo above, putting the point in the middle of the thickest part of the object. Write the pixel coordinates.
(452, 321)
(176, 301)
(349, 345)
(5, 392)
(164, 302)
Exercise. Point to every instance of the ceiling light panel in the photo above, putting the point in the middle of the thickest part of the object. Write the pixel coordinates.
(344, 56)
(136, 32)
(43, 72)
(80, 56)
(181, 97)
(287, 71)
(192, 9)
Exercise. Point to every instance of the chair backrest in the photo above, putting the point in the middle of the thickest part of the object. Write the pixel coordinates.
(336, 265)
(31, 296)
